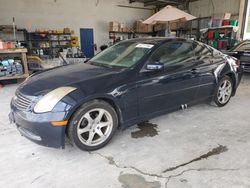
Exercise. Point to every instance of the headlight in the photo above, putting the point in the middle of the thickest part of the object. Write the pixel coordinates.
(49, 101)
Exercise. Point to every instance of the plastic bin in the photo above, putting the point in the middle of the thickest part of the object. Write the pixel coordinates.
(225, 22)
(220, 44)
(216, 35)
(215, 44)
(210, 35)
(233, 22)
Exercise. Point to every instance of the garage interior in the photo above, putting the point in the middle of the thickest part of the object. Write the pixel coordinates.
(201, 146)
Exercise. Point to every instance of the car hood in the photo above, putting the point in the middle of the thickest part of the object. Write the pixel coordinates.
(51, 79)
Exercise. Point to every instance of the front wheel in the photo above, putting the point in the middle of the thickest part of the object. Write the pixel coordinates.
(223, 91)
(93, 125)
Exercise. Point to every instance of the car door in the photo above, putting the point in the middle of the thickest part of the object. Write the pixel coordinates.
(242, 52)
(208, 60)
(168, 89)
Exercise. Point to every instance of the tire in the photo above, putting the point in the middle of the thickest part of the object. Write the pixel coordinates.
(93, 125)
(223, 91)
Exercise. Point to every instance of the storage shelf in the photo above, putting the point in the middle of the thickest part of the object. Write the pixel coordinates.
(13, 51)
(14, 77)
(60, 40)
(54, 40)
(46, 33)
(130, 32)
(22, 53)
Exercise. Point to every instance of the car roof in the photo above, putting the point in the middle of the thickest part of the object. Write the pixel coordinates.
(154, 40)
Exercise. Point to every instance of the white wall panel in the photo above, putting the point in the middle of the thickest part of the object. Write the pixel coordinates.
(75, 14)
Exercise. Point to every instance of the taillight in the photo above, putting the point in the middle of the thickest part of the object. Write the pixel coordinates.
(237, 62)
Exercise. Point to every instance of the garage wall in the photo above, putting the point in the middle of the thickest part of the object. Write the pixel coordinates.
(75, 14)
(203, 8)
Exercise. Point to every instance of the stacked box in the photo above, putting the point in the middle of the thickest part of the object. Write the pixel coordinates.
(159, 27)
(114, 26)
(150, 28)
(177, 25)
(141, 27)
(10, 67)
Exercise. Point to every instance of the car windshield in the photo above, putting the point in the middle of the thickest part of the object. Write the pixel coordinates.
(123, 55)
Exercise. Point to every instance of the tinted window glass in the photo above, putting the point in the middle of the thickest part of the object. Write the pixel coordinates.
(124, 54)
(173, 52)
(244, 47)
(201, 50)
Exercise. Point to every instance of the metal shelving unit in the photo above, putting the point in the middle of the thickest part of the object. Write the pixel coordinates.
(229, 36)
(49, 43)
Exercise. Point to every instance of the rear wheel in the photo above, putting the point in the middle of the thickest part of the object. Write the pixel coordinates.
(93, 125)
(223, 91)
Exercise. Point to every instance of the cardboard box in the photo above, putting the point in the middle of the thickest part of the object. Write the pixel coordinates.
(126, 29)
(150, 28)
(159, 27)
(144, 28)
(67, 30)
(139, 26)
(114, 26)
(177, 25)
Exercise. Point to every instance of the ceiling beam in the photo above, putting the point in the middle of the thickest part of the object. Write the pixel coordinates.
(161, 2)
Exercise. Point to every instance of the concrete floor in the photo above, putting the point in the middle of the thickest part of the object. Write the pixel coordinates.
(203, 146)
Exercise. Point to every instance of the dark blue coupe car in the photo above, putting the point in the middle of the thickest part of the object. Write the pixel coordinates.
(128, 83)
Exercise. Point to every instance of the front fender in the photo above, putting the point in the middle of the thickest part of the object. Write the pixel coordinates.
(77, 98)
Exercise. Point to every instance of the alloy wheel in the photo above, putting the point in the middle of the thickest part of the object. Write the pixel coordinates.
(94, 127)
(224, 92)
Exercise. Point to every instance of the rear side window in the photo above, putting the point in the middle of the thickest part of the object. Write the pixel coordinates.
(173, 52)
(244, 47)
(201, 50)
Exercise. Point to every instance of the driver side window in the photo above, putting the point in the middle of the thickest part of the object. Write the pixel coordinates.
(173, 53)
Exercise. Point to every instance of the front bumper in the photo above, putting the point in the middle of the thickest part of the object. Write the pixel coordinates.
(38, 127)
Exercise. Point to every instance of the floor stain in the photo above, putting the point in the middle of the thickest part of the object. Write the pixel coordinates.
(183, 180)
(215, 151)
(137, 181)
(111, 160)
(146, 129)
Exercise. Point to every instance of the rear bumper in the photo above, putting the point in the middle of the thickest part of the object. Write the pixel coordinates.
(37, 127)
(245, 66)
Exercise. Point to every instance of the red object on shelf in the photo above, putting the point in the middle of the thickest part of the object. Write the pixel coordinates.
(225, 22)
(210, 35)
(220, 44)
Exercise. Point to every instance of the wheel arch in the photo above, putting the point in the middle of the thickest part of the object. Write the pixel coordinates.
(226, 70)
(232, 76)
(105, 99)
(115, 106)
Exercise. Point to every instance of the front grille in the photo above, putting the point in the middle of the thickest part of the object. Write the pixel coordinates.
(21, 102)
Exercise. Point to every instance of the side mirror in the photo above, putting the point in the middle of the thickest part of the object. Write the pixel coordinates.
(156, 66)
